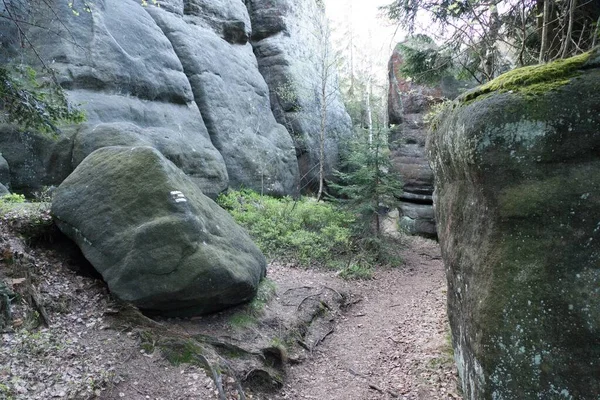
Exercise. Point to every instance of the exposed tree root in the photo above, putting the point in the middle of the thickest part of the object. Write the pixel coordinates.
(259, 362)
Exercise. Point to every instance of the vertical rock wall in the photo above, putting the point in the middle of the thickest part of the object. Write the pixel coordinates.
(211, 40)
(184, 79)
(285, 36)
(119, 66)
(408, 104)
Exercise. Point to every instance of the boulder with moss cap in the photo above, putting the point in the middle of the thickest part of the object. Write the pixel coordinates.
(155, 238)
(517, 174)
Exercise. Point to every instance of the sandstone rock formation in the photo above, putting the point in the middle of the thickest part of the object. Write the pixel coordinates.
(117, 63)
(155, 238)
(517, 169)
(408, 104)
(211, 40)
(4, 172)
(184, 79)
(286, 35)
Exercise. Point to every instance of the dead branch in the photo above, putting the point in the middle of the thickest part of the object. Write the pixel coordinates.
(37, 302)
(323, 337)
(375, 387)
(215, 374)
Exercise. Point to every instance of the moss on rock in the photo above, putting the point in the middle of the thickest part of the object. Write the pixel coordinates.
(517, 184)
(532, 80)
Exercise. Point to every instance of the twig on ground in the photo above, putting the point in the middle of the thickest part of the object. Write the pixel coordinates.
(375, 387)
(323, 338)
(216, 376)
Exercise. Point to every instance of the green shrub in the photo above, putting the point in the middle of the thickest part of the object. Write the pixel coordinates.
(12, 198)
(304, 230)
(357, 271)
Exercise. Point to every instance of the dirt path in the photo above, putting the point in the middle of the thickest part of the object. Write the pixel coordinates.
(392, 344)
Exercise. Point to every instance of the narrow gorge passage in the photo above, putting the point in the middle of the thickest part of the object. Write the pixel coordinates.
(393, 344)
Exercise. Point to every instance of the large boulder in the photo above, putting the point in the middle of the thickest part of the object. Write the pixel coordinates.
(517, 168)
(285, 37)
(155, 238)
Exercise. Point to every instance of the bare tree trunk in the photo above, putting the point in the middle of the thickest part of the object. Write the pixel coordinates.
(322, 141)
(368, 94)
(351, 90)
(545, 26)
(377, 183)
(369, 111)
(325, 60)
(596, 33)
(524, 33)
(569, 36)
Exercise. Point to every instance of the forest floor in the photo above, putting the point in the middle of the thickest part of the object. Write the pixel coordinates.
(393, 344)
(384, 338)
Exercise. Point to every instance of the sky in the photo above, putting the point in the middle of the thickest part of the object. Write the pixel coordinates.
(375, 35)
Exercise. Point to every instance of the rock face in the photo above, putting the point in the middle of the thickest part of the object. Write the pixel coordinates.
(34, 160)
(285, 36)
(155, 238)
(184, 78)
(408, 104)
(211, 40)
(517, 205)
(4, 172)
(117, 63)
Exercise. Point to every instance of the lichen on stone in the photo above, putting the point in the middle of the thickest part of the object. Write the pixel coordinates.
(532, 80)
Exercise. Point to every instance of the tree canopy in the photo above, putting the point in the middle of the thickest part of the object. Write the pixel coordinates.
(483, 38)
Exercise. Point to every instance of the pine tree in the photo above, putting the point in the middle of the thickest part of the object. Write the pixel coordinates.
(369, 183)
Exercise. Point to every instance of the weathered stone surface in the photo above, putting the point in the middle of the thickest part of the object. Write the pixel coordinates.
(408, 104)
(517, 205)
(4, 172)
(184, 79)
(285, 40)
(198, 159)
(35, 160)
(417, 219)
(155, 238)
(210, 39)
(117, 64)
(3, 190)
